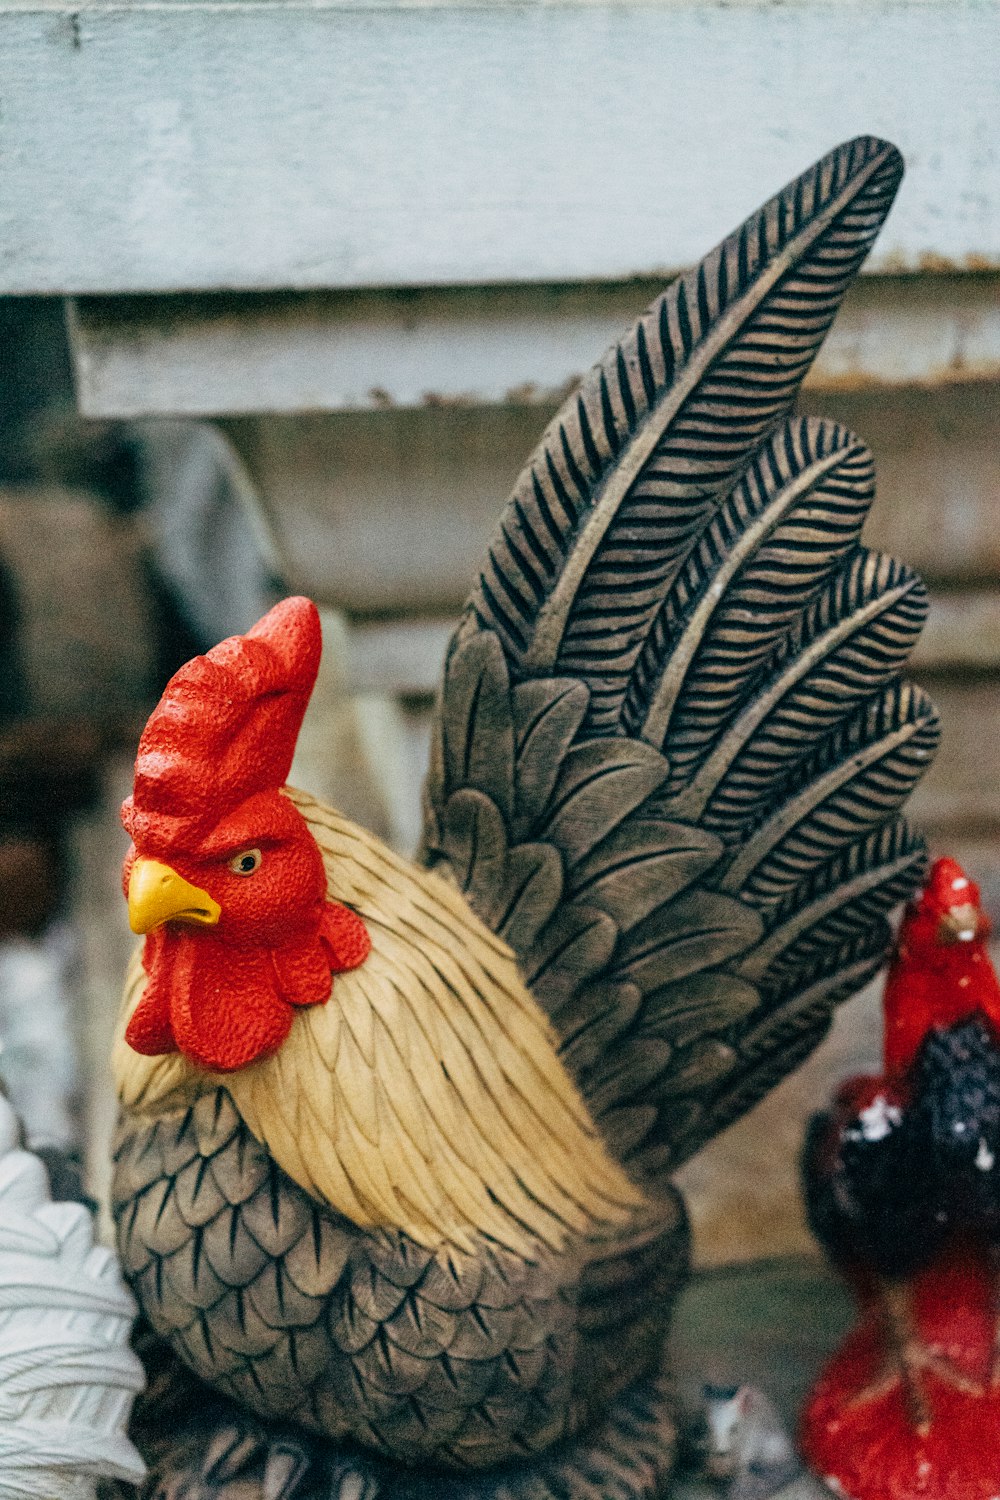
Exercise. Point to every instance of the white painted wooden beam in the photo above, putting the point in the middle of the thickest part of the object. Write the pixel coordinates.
(337, 351)
(257, 144)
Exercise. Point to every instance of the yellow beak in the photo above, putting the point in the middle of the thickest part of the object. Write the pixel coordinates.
(157, 894)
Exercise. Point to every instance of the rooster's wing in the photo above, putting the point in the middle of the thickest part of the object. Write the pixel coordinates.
(673, 739)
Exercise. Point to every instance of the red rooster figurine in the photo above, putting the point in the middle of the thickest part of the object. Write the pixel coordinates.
(903, 1190)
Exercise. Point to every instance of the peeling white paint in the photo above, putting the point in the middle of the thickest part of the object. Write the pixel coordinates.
(310, 145)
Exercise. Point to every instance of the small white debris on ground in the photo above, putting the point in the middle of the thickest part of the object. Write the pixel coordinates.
(748, 1446)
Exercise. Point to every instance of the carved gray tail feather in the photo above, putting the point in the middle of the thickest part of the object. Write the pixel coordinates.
(673, 740)
(633, 465)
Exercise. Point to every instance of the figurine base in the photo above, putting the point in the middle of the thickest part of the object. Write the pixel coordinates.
(909, 1407)
(199, 1445)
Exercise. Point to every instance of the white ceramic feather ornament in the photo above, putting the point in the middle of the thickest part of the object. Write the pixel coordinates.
(67, 1374)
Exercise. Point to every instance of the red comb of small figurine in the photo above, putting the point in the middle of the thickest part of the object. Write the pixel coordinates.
(942, 971)
(946, 885)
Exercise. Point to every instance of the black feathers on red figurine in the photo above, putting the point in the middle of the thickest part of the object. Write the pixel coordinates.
(902, 1180)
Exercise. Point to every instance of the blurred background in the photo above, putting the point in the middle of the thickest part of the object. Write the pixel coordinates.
(287, 294)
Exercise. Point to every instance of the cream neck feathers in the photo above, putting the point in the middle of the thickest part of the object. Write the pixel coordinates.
(427, 1094)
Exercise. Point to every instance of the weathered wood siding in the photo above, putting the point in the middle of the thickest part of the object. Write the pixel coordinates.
(347, 351)
(277, 143)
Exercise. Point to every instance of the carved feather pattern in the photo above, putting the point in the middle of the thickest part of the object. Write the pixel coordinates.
(633, 466)
(294, 1312)
(860, 776)
(203, 1446)
(674, 741)
(798, 508)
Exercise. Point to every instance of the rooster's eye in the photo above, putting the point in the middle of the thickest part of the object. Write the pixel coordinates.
(246, 862)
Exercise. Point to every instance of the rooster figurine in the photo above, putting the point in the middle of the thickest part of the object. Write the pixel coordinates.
(903, 1189)
(392, 1172)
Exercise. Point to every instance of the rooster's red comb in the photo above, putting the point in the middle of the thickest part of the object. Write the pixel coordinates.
(226, 726)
